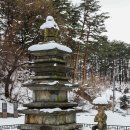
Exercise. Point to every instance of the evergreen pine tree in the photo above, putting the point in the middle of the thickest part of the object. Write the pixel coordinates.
(92, 22)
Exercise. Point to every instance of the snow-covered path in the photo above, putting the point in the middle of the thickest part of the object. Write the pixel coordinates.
(11, 121)
(112, 118)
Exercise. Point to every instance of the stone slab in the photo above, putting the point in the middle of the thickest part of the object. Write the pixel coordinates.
(50, 68)
(53, 52)
(46, 86)
(55, 118)
(61, 105)
(49, 78)
(49, 127)
(50, 60)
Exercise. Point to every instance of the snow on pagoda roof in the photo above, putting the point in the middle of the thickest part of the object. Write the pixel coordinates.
(50, 23)
(49, 46)
(51, 110)
(100, 101)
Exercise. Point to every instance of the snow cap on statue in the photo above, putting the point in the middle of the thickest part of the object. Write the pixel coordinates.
(50, 23)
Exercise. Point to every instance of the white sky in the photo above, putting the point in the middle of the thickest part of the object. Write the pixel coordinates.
(118, 25)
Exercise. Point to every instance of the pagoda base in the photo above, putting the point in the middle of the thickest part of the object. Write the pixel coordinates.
(60, 117)
(49, 127)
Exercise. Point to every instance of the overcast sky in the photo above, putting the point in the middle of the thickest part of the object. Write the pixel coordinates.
(118, 25)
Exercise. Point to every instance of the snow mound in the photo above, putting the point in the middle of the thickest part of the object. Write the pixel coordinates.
(100, 100)
(50, 23)
(50, 83)
(48, 46)
(50, 110)
(86, 128)
(55, 110)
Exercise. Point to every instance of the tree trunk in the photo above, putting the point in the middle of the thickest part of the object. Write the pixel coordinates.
(76, 64)
(7, 82)
(84, 69)
(81, 92)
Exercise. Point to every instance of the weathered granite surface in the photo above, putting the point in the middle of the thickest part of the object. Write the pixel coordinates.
(50, 86)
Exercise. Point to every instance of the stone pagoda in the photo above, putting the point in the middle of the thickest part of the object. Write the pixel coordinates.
(50, 109)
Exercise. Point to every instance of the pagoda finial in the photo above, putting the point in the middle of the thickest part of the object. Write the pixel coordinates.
(49, 29)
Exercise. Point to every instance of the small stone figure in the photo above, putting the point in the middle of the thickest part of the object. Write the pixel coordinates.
(126, 90)
(101, 118)
(124, 102)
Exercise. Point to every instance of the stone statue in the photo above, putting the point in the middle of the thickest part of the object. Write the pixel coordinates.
(49, 29)
(101, 118)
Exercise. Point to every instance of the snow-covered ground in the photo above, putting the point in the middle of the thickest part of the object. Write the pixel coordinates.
(112, 118)
(11, 121)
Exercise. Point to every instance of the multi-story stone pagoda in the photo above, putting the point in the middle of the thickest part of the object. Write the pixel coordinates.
(50, 108)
